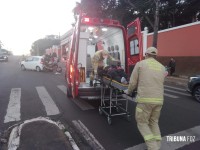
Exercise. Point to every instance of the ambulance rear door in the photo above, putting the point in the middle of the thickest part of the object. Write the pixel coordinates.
(134, 44)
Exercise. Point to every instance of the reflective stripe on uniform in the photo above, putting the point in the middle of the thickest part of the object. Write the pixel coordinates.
(139, 109)
(148, 137)
(157, 137)
(150, 100)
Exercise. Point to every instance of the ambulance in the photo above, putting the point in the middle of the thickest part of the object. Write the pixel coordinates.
(93, 34)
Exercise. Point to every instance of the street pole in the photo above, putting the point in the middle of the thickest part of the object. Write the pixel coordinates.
(156, 23)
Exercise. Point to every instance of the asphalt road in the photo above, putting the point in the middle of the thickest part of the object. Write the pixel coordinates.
(179, 116)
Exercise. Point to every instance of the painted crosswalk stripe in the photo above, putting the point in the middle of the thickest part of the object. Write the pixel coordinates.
(176, 88)
(170, 145)
(47, 101)
(82, 104)
(13, 110)
(87, 135)
(177, 92)
(171, 96)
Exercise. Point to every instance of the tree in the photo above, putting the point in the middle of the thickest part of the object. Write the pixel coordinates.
(39, 46)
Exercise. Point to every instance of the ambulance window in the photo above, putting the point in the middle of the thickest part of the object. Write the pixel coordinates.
(134, 47)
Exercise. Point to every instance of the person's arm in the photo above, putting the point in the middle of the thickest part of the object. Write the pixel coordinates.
(133, 79)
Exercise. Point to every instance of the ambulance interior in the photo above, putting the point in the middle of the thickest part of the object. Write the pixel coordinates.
(94, 38)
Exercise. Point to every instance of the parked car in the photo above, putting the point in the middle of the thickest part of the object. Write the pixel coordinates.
(3, 57)
(32, 63)
(194, 87)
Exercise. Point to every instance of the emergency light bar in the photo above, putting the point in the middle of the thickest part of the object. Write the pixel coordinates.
(87, 20)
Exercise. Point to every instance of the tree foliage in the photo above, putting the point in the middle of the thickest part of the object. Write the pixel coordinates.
(172, 12)
(39, 46)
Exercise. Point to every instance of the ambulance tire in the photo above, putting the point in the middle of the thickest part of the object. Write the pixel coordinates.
(69, 92)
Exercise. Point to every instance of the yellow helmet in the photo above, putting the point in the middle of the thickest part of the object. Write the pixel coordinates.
(152, 51)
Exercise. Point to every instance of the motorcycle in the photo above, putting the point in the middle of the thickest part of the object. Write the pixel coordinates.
(52, 67)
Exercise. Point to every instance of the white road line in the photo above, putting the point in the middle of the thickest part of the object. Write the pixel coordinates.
(13, 110)
(171, 96)
(63, 88)
(87, 135)
(71, 140)
(176, 88)
(186, 94)
(79, 102)
(169, 145)
(47, 101)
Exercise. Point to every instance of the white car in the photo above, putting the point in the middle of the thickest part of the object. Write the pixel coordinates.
(32, 63)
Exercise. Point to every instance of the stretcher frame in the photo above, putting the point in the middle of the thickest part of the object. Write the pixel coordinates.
(113, 101)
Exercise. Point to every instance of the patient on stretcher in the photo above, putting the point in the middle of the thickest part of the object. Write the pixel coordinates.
(115, 73)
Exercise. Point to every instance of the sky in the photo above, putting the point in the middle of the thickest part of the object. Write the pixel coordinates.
(22, 22)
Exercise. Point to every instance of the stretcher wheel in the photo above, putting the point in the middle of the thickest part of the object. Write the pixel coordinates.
(117, 109)
(128, 117)
(109, 120)
(100, 111)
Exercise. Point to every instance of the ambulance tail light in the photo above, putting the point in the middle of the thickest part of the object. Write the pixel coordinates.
(71, 71)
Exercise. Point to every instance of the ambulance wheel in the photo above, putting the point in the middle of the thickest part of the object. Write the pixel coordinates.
(109, 120)
(100, 111)
(128, 117)
(69, 92)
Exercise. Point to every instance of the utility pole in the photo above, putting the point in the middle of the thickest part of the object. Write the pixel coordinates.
(156, 23)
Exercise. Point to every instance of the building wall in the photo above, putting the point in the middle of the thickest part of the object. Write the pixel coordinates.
(183, 44)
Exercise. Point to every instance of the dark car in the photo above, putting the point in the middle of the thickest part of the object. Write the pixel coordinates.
(3, 58)
(194, 86)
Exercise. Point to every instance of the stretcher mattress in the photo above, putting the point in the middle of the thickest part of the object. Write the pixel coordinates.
(114, 83)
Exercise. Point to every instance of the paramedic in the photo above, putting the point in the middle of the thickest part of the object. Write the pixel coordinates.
(99, 58)
(148, 77)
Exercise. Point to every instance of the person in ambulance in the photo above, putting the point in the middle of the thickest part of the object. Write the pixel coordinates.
(99, 61)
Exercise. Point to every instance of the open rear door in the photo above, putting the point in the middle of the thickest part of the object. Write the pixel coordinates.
(135, 48)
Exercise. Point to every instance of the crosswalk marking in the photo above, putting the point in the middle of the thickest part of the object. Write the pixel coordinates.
(47, 101)
(176, 88)
(13, 110)
(177, 92)
(80, 103)
(167, 145)
(14, 114)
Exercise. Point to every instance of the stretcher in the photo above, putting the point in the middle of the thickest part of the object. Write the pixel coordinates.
(114, 104)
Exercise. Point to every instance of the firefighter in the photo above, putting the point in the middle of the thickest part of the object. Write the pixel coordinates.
(148, 78)
(98, 61)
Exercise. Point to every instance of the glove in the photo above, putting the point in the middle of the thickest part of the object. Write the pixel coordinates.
(126, 91)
